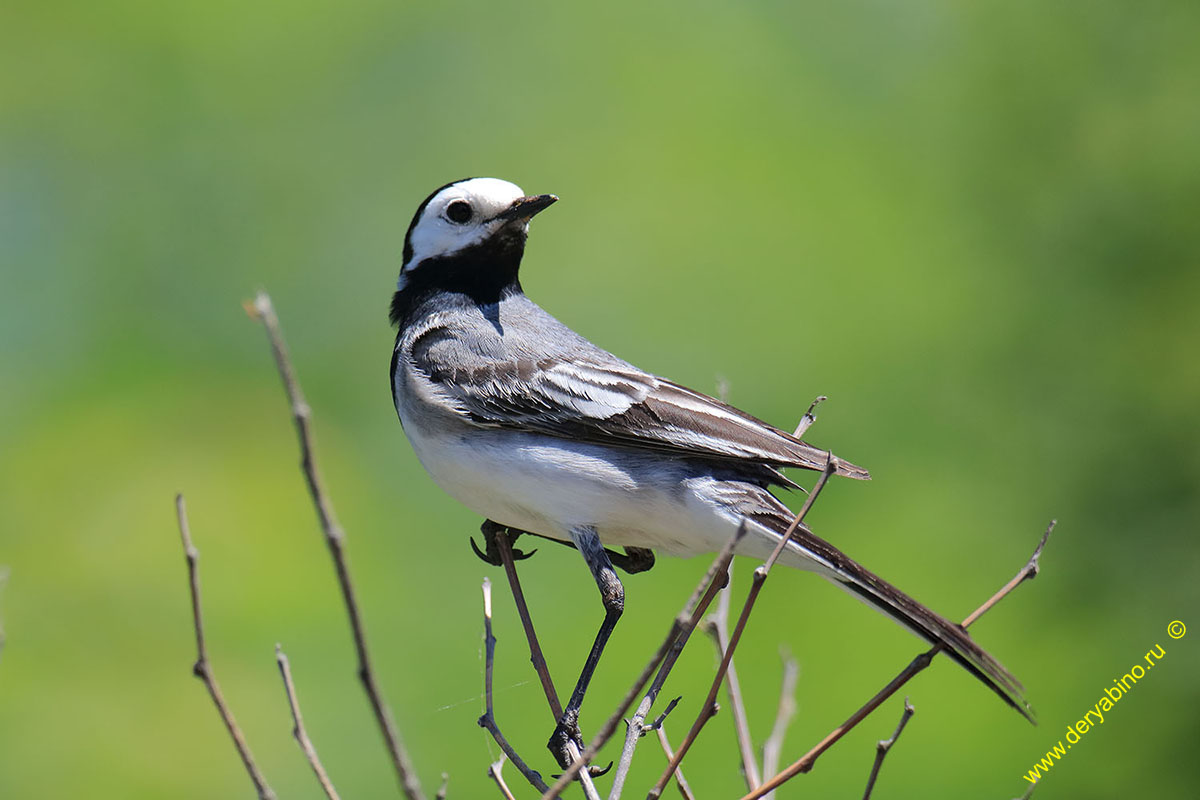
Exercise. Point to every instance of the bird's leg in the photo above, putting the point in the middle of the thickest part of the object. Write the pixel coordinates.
(612, 594)
(491, 551)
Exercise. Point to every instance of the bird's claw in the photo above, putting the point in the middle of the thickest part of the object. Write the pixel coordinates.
(491, 552)
(566, 732)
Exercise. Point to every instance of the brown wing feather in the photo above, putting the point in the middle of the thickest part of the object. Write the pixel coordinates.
(615, 403)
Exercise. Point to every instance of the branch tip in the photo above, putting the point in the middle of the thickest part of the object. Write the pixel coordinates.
(264, 312)
(201, 668)
(806, 762)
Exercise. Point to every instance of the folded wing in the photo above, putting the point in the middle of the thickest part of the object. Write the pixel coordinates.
(591, 399)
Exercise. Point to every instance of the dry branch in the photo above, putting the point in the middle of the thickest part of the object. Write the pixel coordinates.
(504, 545)
(681, 628)
(809, 417)
(1028, 792)
(263, 311)
(298, 730)
(494, 772)
(805, 762)
(693, 611)
(718, 628)
(783, 717)
(684, 788)
(201, 669)
(760, 576)
(885, 745)
(488, 720)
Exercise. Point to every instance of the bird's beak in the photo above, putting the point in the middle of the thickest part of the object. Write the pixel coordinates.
(523, 208)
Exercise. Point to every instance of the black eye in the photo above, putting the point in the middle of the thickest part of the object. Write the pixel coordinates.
(459, 211)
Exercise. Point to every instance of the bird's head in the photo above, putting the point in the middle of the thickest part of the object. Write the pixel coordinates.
(472, 218)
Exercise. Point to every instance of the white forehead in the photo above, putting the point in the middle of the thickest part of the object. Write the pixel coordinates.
(434, 234)
(490, 193)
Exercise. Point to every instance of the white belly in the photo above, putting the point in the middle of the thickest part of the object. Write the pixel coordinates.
(546, 485)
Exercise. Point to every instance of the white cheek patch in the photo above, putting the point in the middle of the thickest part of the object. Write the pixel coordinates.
(435, 236)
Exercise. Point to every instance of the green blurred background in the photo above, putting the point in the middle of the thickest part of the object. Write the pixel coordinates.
(973, 226)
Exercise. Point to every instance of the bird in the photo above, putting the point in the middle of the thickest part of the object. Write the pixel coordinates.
(535, 428)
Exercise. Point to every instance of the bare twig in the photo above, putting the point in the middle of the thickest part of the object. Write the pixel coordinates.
(488, 720)
(661, 718)
(760, 576)
(263, 311)
(585, 775)
(1028, 572)
(681, 628)
(805, 762)
(783, 717)
(504, 544)
(693, 611)
(809, 417)
(298, 731)
(494, 772)
(202, 669)
(1029, 792)
(883, 746)
(680, 781)
(718, 628)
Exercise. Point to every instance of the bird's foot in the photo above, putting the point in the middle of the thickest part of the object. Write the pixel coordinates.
(491, 547)
(565, 733)
(634, 560)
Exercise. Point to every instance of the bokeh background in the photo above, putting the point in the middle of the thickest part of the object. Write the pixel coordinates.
(972, 226)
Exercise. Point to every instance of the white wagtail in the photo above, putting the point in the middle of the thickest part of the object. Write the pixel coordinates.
(537, 429)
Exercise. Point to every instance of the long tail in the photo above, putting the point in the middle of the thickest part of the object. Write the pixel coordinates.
(809, 551)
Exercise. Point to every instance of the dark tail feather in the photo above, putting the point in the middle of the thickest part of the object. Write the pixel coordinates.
(933, 628)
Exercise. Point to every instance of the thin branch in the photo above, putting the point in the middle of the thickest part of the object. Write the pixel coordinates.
(661, 718)
(1028, 572)
(298, 731)
(680, 781)
(488, 720)
(805, 762)
(263, 311)
(809, 417)
(882, 747)
(201, 669)
(445, 787)
(494, 772)
(504, 545)
(585, 775)
(783, 717)
(718, 628)
(694, 610)
(708, 709)
(681, 628)
(1029, 792)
